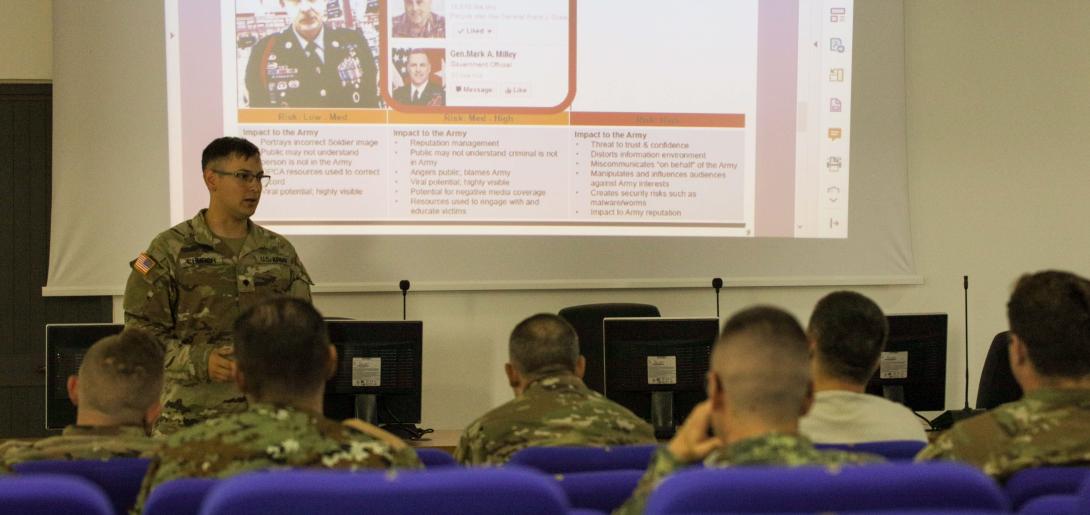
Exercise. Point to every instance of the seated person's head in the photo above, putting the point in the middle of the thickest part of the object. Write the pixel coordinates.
(759, 380)
(1049, 315)
(542, 345)
(283, 353)
(119, 381)
(848, 332)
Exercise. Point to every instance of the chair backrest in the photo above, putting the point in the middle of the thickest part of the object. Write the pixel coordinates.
(1082, 497)
(1029, 484)
(892, 450)
(179, 496)
(997, 385)
(46, 494)
(601, 490)
(560, 460)
(1052, 505)
(947, 487)
(432, 458)
(119, 478)
(587, 321)
(482, 491)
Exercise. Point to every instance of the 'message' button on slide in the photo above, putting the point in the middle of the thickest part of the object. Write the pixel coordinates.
(495, 56)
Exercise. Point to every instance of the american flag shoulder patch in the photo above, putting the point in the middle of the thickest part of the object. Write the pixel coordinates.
(144, 263)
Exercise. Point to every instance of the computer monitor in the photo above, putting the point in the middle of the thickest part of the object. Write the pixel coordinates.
(912, 370)
(65, 345)
(378, 371)
(656, 366)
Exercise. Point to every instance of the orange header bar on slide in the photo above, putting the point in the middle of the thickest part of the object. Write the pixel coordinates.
(659, 119)
(312, 116)
(560, 118)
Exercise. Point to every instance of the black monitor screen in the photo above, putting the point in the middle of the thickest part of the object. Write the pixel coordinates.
(912, 370)
(65, 345)
(656, 366)
(377, 362)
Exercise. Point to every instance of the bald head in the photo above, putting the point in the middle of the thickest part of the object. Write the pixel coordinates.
(544, 344)
(762, 364)
(121, 376)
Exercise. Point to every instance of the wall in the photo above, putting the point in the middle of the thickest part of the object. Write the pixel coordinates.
(26, 40)
(998, 106)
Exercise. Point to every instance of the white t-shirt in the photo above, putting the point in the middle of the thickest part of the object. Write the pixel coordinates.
(839, 416)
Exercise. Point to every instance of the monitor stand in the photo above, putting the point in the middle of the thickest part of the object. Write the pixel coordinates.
(367, 411)
(895, 393)
(662, 414)
(367, 408)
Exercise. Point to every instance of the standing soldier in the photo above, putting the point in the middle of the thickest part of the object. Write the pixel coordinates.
(195, 278)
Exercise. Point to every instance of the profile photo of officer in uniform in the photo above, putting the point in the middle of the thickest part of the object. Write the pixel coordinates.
(421, 89)
(419, 21)
(310, 64)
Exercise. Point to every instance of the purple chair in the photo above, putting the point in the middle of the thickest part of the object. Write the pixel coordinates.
(47, 494)
(484, 491)
(119, 478)
(1051, 505)
(433, 458)
(563, 460)
(892, 450)
(931, 487)
(1029, 484)
(600, 490)
(179, 497)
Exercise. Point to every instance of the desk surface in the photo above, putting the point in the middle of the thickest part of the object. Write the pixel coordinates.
(442, 439)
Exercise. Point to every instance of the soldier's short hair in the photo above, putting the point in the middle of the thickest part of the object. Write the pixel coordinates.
(225, 147)
(1050, 312)
(543, 344)
(762, 363)
(850, 331)
(281, 346)
(122, 375)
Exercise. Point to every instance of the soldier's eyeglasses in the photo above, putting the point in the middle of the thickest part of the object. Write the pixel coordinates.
(247, 177)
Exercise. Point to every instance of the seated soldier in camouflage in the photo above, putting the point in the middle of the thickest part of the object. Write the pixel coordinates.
(284, 359)
(116, 394)
(758, 388)
(552, 406)
(1049, 315)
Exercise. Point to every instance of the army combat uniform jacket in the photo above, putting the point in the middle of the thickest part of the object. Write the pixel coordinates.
(1046, 427)
(435, 27)
(80, 443)
(187, 290)
(281, 74)
(268, 437)
(552, 411)
(771, 449)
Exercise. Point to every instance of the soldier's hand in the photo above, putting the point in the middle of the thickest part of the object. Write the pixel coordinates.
(221, 366)
(693, 440)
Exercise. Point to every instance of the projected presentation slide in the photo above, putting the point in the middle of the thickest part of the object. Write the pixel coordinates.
(521, 117)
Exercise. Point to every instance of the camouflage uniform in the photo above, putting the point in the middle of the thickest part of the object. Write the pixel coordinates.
(189, 296)
(80, 443)
(1045, 427)
(777, 449)
(555, 410)
(436, 27)
(267, 436)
